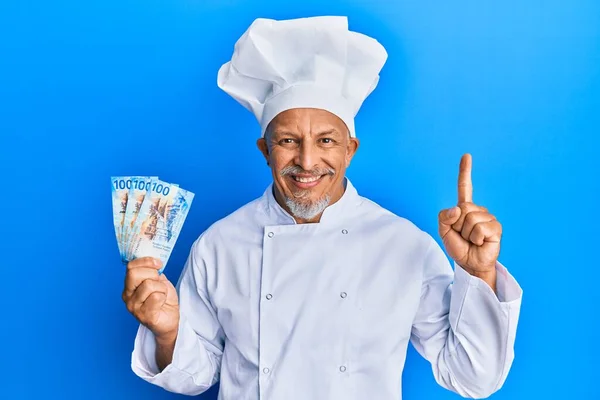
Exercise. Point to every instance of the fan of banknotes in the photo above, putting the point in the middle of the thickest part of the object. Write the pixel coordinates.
(148, 215)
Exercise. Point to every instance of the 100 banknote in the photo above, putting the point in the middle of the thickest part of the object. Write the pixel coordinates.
(148, 215)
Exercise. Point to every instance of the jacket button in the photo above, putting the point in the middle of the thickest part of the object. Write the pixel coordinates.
(343, 295)
(342, 368)
(269, 296)
(266, 370)
(344, 231)
(271, 234)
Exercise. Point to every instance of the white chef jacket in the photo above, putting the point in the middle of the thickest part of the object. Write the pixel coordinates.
(275, 310)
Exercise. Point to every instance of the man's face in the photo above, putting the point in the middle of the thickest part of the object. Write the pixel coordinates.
(308, 151)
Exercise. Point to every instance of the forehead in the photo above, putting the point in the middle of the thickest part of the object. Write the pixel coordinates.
(307, 120)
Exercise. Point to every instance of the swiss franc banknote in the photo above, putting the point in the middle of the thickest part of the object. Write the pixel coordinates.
(120, 193)
(135, 198)
(153, 215)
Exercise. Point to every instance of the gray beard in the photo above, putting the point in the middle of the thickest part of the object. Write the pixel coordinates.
(307, 209)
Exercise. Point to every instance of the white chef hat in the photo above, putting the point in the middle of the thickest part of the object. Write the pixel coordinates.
(302, 63)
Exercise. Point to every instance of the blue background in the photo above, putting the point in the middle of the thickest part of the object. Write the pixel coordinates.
(90, 89)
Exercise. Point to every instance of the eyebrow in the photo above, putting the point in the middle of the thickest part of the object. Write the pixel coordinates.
(283, 133)
(327, 132)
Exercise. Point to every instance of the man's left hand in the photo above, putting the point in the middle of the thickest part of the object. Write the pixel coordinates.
(471, 235)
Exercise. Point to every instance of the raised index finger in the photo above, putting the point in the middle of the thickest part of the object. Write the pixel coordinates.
(465, 186)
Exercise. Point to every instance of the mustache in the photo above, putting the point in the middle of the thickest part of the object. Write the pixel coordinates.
(296, 170)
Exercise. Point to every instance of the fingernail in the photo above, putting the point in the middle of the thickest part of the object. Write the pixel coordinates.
(157, 262)
(452, 212)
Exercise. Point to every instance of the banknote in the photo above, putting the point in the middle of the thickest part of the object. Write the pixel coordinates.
(159, 221)
(156, 190)
(135, 198)
(120, 192)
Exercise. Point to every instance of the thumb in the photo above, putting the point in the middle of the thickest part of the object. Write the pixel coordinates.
(448, 217)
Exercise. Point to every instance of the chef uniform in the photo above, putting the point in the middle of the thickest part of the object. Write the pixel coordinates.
(276, 310)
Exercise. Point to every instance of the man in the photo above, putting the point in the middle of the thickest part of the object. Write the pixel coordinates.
(312, 291)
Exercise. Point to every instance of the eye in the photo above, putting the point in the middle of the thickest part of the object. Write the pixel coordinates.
(327, 140)
(286, 141)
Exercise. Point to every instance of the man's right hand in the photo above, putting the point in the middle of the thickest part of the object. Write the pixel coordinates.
(152, 299)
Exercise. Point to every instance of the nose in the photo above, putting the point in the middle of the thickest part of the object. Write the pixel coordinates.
(307, 156)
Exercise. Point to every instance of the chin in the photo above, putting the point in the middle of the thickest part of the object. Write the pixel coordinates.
(308, 195)
(307, 209)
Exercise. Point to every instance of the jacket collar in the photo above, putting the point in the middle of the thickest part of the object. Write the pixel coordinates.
(338, 211)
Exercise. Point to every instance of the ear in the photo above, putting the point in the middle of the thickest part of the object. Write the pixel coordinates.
(353, 144)
(264, 148)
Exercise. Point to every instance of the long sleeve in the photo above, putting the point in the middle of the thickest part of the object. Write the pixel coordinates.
(463, 328)
(200, 341)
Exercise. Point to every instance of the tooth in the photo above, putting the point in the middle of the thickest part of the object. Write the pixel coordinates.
(306, 180)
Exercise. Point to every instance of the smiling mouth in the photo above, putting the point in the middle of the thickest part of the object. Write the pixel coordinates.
(306, 179)
(306, 182)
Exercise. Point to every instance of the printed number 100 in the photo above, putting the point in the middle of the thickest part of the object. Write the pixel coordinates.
(159, 188)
